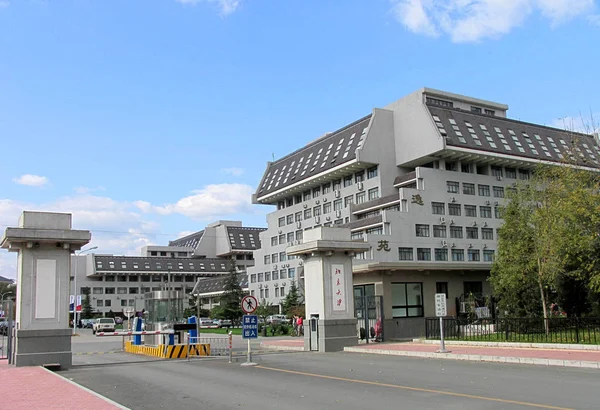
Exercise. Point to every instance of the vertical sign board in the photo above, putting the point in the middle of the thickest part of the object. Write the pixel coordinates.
(338, 288)
(440, 311)
(250, 327)
(71, 303)
(78, 303)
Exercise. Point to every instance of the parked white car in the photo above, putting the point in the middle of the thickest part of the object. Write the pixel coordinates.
(277, 319)
(103, 324)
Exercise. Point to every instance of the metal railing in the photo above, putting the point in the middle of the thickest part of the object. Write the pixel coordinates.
(520, 330)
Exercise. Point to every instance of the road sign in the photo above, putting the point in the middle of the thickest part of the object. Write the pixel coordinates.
(249, 304)
(250, 327)
(440, 305)
(128, 312)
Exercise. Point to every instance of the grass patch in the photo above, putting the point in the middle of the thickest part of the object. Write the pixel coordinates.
(592, 338)
(222, 331)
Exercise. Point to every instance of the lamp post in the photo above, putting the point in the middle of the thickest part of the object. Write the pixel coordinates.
(2, 298)
(77, 254)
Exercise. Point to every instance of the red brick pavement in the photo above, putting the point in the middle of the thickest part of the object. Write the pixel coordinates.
(37, 388)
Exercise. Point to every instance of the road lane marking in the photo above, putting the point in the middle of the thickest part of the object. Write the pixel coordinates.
(418, 389)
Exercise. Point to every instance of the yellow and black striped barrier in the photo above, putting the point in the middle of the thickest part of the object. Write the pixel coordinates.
(169, 351)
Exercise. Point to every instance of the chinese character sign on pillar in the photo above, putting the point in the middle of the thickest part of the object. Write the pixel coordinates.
(338, 288)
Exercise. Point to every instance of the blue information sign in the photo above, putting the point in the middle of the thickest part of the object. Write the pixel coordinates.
(250, 326)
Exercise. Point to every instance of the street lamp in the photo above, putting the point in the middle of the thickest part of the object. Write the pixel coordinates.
(75, 285)
(2, 294)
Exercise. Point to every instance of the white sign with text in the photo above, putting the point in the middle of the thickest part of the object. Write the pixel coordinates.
(440, 305)
(338, 288)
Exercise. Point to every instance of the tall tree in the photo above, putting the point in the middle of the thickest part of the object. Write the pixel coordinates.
(263, 310)
(87, 312)
(231, 300)
(292, 299)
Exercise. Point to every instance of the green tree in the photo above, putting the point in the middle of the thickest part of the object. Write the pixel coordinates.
(231, 299)
(217, 312)
(87, 312)
(292, 300)
(263, 310)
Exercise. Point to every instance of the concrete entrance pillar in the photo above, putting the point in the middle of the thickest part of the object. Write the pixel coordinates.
(44, 242)
(328, 291)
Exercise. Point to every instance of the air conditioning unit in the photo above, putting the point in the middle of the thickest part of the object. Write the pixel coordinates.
(317, 202)
(300, 263)
(260, 285)
(274, 267)
(282, 283)
(474, 223)
(317, 219)
(298, 224)
(470, 245)
(305, 206)
(484, 246)
(336, 194)
(452, 199)
(324, 199)
(496, 203)
(280, 232)
(451, 221)
(484, 224)
(487, 202)
(328, 218)
(360, 186)
(444, 244)
(442, 220)
(454, 245)
(499, 178)
(338, 214)
(276, 284)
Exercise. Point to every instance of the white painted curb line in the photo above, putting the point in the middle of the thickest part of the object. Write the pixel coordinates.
(557, 346)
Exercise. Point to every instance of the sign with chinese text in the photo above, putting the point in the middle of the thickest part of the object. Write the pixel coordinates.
(338, 288)
(250, 326)
(383, 246)
(440, 304)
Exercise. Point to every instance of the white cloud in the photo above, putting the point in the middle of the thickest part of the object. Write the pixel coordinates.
(579, 123)
(4, 3)
(31, 180)
(226, 6)
(474, 20)
(595, 20)
(208, 203)
(236, 172)
(88, 190)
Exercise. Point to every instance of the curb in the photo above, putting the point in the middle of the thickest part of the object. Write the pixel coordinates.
(284, 348)
(479, 358)
(557, 346)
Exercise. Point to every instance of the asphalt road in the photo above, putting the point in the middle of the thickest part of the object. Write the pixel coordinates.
(340, 381)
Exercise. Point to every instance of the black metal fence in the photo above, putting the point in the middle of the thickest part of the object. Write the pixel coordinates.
(521, 330)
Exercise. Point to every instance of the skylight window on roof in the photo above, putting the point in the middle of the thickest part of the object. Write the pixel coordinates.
(468, 124)
(320, 150)
(462, 139)
(455, 127)
(544, 148)
(511, 132)
(471, 130)
(345, 155)
(531, 145)
(563, 142)
(486, 133)
(560, 156)
(548, 154)
(452, 121)
(535, 152)
(490, 139)
(518, 144)
(436, 118)
(443, 132)
(501, 135)
(458, 134)
(521, 149)
(498, 130)
(506, 147)
(483, 127)
(585, 146)
(313, 168)
(477, 142)
(493, 145)
(553, 145)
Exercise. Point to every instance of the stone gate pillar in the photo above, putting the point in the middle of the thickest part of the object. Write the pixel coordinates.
(44, 242)
(328, 290)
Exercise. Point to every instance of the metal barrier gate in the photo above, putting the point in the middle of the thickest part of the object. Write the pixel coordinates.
(219, 346)
(369, 312)
(7, 322)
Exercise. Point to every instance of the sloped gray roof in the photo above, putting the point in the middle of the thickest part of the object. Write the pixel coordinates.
(212, 285)
(321, 155)
(135, 264)
(6, 280)
(190, 241)
(244, 239)
(510, 137)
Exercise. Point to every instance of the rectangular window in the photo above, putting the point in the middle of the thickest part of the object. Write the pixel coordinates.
(337, 184)
(298, 235)
(438, 208)
(453, 187)
(291, 273)
(488, 255)
(317, 211)
(490, 112)
(473, 255)
(100, 303)
(253, 278)
(109, 291)
(307, 213)
(498, 192)
(407, 300)
(273, 241)
(337, 205)
(306, 195)
(456, 232)
(471, 210)
(472, 233)
(327, 207)
(107, 303)
(458, 255)
(349, 200)
(290, 238)
(468, 189)
(406, 254)
(121, 291)
(262, 293)
(276, 292)
(423, 254)
(484, 190)
(267, 259)
(372, 172)
(359, 176)
(454, 209)
(326, 188)
(282, 274)
(511, 173)
(498, 212)
(275, 258)
(373, 194)
(298, 216)
(281, 239)
(282, 221)
(289, 219)
(441, 254)
(441, 287)
(438, 102)
(439, 231)
(261, 277)
(267, 276)
(361, 197)
(487, 233)
(422, 230)
(282, 255)
(485, 211)
(347, 181)
(523, 174)
(476, 110)
(97, 291)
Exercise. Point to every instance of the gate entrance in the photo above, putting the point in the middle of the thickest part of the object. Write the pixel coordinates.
(369, 312)
(7, 322)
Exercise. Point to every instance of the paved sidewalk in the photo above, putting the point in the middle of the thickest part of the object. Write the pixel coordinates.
(38, 388)
(546, 357)
(291, 344)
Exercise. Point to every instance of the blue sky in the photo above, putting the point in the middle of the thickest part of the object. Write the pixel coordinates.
(150, 118)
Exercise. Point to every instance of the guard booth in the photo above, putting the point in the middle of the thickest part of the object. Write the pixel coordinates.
(163, 308)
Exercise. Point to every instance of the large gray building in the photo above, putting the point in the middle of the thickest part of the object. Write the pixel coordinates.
(421, 180)
(118, 282)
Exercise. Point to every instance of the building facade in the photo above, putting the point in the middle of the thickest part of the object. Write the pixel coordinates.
(120, 282)
(421, 180)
